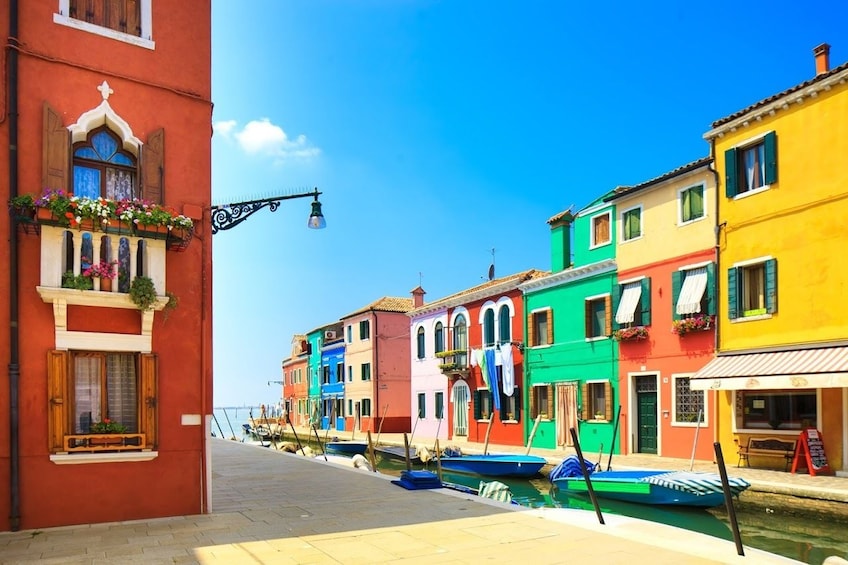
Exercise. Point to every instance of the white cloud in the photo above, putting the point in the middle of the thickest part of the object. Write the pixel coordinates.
(261, 137)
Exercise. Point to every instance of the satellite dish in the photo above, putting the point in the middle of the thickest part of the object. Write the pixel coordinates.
(491, 271)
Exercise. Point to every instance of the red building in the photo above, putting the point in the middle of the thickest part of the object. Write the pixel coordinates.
(109, 397)
(296, 382)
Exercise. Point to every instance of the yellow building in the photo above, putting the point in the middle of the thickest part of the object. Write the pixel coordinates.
(782, 362)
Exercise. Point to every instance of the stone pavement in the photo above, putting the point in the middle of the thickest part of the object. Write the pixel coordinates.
(269, 506)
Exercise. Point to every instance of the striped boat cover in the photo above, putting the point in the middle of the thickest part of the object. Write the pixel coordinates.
(495, 490)
(697, 483)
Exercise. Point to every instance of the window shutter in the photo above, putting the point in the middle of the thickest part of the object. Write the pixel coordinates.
(607, 401)
(607, 316)
(153, 167)
(711, 290)
(149, 399)
(770, 150)
(58, 408)
(533, 411)
(531, 330)
(771, 286)
(502, 411)
(587, 318)
(645, 301)
(56, 149)
(732, 291)
(616, 299)
(676, 284)
(550, 407)
(133, 17)
(477, 411)
(584, 401)
(731, 176)
(550, 317)
(517, 395)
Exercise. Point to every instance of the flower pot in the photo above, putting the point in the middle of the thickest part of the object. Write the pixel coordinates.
(105, 284)
(119, 227)
(44, 215)
(151, 232)
(105, 440)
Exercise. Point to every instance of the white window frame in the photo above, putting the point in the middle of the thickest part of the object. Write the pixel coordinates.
(703, 187)
(740, 147)
(62, 17)
(592, 243)
(641, 224)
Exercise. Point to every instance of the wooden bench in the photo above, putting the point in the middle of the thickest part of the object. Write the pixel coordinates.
(767, 447)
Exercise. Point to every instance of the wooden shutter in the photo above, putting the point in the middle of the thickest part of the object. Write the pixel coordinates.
(645, 301)
(607, 316)
(517, 395)
(531, 330)
(153, 167)
(676, 285)
(148, 397)
(616, 301)
(550, 407)
(731, 176)
(132, 17)
(550, 317)
(59, 405)
(56, 147)
(584, 403)
(711, 290)
(770, 151)
(771, 285)
(533, 411)
(478, 414)
(587, 318)
(607, 401)
(732, 291)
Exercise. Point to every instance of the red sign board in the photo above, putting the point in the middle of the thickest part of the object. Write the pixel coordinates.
(809, 452)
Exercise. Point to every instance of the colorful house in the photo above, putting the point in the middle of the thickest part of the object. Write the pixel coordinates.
(782, 362)
(108, 396)
(296, 381)
(664, 310)
(428, 330)
(377, 359)
(332, 378)
(570, 358)
(482, 359)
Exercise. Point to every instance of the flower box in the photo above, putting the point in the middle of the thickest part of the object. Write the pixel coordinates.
(693, 324)
(634, 333)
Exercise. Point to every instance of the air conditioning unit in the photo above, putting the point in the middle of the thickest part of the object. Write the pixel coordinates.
(329, 334)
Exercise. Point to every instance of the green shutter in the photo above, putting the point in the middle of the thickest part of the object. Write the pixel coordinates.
(732, 292)
(645, 301)
(731, 177)
(676, 284)
(517, 394)
(477, 414)
(711, 290)
(771, 286)
(616, 299)
(770, 143)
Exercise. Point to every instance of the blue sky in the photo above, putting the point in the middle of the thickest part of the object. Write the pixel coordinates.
(438, 131)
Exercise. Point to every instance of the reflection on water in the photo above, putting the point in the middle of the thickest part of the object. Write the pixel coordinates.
(770, 529)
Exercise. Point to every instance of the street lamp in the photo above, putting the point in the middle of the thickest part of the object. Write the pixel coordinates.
(226, 216)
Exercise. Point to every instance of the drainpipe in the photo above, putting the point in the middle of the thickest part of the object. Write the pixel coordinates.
(717, 230)
(14, 367)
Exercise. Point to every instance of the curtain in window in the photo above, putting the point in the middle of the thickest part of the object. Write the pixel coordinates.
(86, 182)
(122, 391)
(460, 409)
(755, 167)
(119, 184)
(87, 385)
(566, 413)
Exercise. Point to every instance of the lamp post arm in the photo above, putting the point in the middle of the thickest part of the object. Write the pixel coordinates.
(227, 216)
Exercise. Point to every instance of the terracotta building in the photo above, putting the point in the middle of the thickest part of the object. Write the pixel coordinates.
(107, 391)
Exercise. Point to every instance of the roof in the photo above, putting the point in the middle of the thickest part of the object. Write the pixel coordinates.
(488, 288)
(564, 216)
(386, 304)
(766, 101)
(623, 191)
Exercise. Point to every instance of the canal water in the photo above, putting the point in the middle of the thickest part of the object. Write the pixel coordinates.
(771, 526)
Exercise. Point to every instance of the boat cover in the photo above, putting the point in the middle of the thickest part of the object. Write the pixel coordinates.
(697, 483)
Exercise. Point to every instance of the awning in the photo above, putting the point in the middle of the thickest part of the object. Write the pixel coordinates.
(825, 367)
(694, 285)
(626, 312)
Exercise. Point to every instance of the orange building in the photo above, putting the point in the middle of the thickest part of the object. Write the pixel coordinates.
(108, 397)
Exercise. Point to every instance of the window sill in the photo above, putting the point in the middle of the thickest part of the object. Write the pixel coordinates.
(597, 338)
(631, 239)
(86, 458)
(748, 193)
(751, 318)
(104, 31)
(683, 223)
(602, 244)
(94, 298)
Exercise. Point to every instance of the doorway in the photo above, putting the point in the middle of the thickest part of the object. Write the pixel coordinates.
(461, 394)
(646, 414)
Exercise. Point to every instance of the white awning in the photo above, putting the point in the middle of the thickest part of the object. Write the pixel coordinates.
(626, 312)
(694, 285)
(825, 367)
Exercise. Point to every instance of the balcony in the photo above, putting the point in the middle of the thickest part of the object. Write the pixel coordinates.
(453, 363)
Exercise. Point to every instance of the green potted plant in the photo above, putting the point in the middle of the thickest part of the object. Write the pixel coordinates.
(77, 282)
(22, 207)
(143, 292)
(173, 302)
(107, 426)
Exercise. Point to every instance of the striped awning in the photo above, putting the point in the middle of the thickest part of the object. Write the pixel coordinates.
(694, 285)
(825, 367)
(626, 312)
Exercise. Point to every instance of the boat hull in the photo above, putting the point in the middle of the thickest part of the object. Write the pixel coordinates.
(523, 466)
(398, 453)
(345, 447)
(653, 487)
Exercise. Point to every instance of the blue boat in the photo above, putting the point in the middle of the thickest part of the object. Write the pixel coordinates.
(677, 488)
(348, 448)
(493, 465)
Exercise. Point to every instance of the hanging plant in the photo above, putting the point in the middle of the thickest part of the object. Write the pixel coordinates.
(143, 292)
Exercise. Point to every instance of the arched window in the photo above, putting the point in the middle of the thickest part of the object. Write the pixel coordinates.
(504, 324)
(439, 337)
(103, 168)
(420, 338)
(460, 333)
(489, 327)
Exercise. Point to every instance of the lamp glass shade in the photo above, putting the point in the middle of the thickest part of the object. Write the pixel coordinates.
(316, 218)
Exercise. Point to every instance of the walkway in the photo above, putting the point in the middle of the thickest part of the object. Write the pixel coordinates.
(274, 507)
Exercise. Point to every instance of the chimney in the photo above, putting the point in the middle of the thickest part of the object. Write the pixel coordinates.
(561, 240)
(418, 297)
(822, 53)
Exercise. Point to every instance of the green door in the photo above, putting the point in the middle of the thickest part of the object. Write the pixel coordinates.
(646, 414)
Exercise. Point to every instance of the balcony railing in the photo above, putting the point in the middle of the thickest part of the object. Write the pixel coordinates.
(453, 362)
